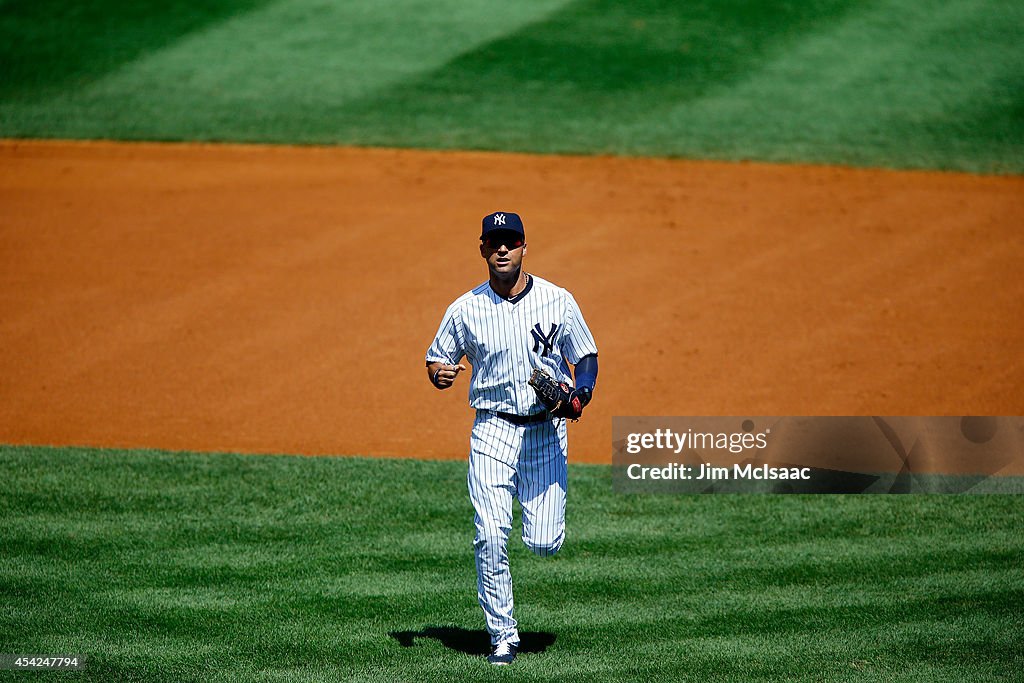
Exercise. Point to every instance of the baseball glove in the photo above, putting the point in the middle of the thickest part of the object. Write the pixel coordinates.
(559, 398)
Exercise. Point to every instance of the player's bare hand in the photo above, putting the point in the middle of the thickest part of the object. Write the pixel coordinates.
(445, 376)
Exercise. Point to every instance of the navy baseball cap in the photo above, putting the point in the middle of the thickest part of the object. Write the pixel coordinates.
(505, 221)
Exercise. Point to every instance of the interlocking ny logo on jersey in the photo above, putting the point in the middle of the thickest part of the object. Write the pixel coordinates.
(499, 219)
(545, 340)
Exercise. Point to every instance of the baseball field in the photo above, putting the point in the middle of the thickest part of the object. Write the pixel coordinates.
(228, 231)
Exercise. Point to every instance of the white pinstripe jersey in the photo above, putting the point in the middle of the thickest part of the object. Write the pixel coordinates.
(505, 339)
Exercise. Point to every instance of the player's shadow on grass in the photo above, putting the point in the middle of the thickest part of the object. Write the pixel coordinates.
(472, 642)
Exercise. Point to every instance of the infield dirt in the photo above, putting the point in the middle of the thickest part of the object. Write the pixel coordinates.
(280, 299)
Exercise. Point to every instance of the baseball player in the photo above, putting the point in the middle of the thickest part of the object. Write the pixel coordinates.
(521, 333)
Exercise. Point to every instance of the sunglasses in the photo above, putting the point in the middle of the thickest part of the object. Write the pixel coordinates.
(510, 241)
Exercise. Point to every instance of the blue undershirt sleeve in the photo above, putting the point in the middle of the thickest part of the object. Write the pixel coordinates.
(586, 372)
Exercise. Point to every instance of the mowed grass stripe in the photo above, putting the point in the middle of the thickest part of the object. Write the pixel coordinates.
(279, 72)
(177, 566)
(920, 84)
(619, 63)
(50, 45)
(867, 87)
(906, 83)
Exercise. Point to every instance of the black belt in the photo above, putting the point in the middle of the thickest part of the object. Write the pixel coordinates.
(523, 419)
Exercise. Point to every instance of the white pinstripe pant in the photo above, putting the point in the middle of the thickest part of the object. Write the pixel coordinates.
(507, 461)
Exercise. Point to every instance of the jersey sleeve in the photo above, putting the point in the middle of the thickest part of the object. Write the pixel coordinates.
(577, 341)
(448, 345)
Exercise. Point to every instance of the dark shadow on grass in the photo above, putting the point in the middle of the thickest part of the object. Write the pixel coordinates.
(473, 642)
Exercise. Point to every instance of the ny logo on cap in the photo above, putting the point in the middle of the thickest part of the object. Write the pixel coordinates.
(499, 219)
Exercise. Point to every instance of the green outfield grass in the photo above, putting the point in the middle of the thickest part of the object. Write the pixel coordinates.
(905, 83)
(181, 567)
